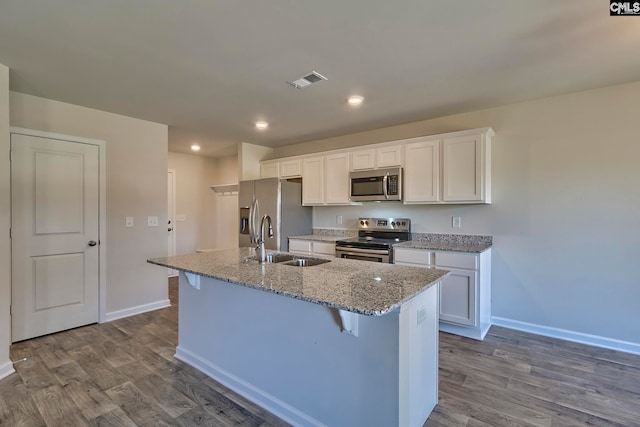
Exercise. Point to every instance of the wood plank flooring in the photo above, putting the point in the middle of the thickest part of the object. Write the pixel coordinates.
(123, 373)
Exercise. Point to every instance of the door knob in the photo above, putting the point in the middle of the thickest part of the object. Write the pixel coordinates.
(92, 243)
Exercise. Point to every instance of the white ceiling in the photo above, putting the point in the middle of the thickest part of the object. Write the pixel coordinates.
(210, 69)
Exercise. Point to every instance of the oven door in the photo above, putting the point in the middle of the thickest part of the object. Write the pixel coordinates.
(375, 255)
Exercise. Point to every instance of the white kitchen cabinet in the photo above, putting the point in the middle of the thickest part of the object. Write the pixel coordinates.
(453, 170)
(363, 159)
(291, 168)
(382, 157)
(422, 171)
(313, 181)
(389, 156)
(465, 295)
(466, 165)
(308, 247)
(336, 178)
(269, 169)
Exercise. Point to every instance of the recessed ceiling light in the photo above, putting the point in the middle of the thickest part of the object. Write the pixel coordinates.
(195, 147)
(355, 100)
(262, 125)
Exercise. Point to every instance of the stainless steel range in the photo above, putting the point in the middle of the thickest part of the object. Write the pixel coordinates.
(375, 239)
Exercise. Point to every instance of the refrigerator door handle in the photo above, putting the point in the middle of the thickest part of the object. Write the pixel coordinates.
(251, 233)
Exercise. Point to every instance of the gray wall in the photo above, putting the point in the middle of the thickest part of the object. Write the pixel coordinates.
(566, 207)
(136, 186)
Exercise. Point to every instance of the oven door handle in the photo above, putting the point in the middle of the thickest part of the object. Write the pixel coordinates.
(363, 251)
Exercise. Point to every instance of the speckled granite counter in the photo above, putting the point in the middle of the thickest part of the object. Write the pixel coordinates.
(356, 286)
(318, 238)
(447, 242)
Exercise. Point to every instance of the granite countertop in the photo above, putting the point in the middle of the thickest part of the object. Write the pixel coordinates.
(447, 242)
(444, 246)
(358, 286)
(319, 238)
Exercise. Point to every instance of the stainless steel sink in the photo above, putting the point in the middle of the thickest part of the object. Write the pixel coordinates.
(306, 262)
(274, 258)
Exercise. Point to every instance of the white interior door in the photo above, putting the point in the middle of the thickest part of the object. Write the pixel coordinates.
(171, 209)
(55, 197)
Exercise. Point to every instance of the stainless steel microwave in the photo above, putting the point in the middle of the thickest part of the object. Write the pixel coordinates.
(376, 185)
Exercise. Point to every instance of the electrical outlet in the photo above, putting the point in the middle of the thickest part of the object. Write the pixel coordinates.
(456, 222)
(128, 222)
(152, 221)
(339, 219)
(422, 315)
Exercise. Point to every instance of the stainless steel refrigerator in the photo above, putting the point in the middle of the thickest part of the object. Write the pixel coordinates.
(282, 201)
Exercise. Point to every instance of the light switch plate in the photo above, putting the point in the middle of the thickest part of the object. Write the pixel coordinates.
(128, 222)
(152, 221)
(456, 222)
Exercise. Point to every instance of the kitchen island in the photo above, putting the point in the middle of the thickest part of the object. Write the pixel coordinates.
(341, 343)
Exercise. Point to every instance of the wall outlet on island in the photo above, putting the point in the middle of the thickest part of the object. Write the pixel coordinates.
(456, 221)
(339, 219)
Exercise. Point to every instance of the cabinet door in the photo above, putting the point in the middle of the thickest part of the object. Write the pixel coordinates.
(389, 156)
(363, 159)
(462, 169)
(337, 179)
(324, 248)
(412, 257)
(422, 172)
(313, 181)
(300, 246)
(269, 169)
(458, 297)
(290, 168)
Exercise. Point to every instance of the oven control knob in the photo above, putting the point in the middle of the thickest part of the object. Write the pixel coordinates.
(361, 222)
(393, 224)
(404, 223)
(366, 223)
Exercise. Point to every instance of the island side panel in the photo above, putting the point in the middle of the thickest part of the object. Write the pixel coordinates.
(418, 357)
(290, 356)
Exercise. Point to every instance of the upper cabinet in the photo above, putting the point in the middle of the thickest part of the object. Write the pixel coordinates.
(363, 159)
(382, 157)
(313, 181)
(270, 169)
(450, 168)
(422, 172)
(337, 179)
(466, 169)
(389, 156)
(291, 168)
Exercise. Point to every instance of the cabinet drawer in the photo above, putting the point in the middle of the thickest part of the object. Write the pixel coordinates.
(413, 256)
(456, 260)
(299, 246)
(324, 248)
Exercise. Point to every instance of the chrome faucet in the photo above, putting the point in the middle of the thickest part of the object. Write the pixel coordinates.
(260, 240)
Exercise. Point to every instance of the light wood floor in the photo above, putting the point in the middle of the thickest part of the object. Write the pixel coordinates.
(122, 373)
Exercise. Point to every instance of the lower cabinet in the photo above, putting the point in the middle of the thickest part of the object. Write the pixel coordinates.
(308, 247)
(465, 295)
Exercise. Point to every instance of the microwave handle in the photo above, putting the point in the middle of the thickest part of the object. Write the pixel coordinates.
(385, 183)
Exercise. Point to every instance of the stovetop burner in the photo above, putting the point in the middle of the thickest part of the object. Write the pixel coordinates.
(379, 233)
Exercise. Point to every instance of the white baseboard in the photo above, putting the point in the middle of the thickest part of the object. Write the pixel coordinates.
(6, 370)
(261, 398)
(119, 314)
(564, 334)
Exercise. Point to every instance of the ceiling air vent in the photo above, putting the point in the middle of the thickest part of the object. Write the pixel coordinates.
(307, 80)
